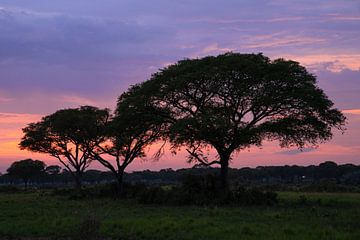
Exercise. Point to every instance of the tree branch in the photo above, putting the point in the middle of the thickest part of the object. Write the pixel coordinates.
(203, 162)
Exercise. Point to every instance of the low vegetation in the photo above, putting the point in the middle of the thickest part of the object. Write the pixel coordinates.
(297, 216)
(228, 103)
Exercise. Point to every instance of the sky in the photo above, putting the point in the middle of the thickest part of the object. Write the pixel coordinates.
(67, 53)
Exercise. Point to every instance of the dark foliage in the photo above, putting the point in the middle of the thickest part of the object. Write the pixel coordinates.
(205, 190)
(124, 138)
(26, 170)
(66, 135)
(233, 101)
(339, 178)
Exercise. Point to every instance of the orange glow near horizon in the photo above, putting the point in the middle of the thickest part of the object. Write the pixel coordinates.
(343, 147)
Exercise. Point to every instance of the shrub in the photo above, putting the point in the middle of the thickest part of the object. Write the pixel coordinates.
(153, 195)
(253, 196)
(204, 190)
(194, 190)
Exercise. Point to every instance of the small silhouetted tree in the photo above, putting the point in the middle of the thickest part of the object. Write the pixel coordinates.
(233, 101)
(66, 135)
(126, 138)
(26, 170)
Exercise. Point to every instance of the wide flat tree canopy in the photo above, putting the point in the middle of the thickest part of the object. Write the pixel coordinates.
(233, 101)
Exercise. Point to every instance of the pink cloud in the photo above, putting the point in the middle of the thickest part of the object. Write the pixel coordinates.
(285, 19)
(18, 118)
(340, 17)
(5, 99)
(352, 111)
(271, 41)
(215, 49)
(73, 99)
(331, 62)
(245, 20)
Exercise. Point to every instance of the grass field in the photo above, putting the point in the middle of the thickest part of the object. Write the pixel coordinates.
(311, 216)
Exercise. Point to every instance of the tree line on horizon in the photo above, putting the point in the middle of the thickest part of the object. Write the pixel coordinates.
(227, 102)
(327, 176)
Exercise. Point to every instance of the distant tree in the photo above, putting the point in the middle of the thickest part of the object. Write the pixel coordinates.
(26, 170)
(92, 175)
(328, 164)
(67, 135)
(126, 138)
(53, 170)
(328, 169)
(234, 101)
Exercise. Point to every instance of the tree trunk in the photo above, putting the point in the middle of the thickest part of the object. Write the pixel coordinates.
(78, 182)
(224, 163)
(224, 175)
(119, 184)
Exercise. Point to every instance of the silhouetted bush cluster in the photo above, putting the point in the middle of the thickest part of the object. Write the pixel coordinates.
(95, 191)
(108, 190)
(250, 196)
(205, 190)
(193, 190)
(327, 177)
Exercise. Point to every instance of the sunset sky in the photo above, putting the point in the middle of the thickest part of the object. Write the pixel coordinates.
(66, 53)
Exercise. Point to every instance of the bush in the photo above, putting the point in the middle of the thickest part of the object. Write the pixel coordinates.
(253, 196)
(205, 190)
(199, 190)
(154, 195)
(98, 191)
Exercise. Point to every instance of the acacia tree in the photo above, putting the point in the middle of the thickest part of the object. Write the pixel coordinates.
(26, 169)
(125, 139)
(234, 101)
(67, 135)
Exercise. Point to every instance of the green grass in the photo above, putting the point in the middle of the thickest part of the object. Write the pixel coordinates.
(320, 216)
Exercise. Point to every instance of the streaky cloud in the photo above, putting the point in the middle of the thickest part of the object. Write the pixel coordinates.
(352, 111)
(297, 151)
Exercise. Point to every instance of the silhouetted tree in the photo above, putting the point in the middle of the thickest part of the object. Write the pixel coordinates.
(66, 135)
(328, 169)
(234, 101)
(126, 136)
(26, 169)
